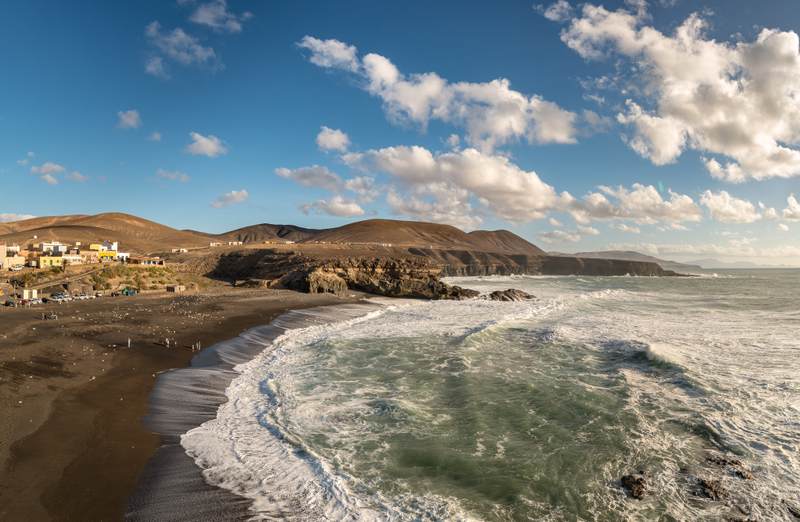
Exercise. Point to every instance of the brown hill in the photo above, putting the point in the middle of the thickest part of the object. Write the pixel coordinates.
(142, 236)
(426, 235)
(134, 233)
(266, 231)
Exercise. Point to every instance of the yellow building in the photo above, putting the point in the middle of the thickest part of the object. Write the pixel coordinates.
(107, 255)
(50, 261)
(96, 246)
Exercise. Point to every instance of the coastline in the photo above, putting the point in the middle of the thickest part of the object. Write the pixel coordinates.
(73, 445)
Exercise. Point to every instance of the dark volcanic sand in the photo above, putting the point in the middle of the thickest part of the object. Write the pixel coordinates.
(72, 444)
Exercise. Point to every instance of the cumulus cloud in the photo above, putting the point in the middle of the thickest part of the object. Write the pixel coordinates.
(783, 227)
(728, 209)
(154, 66)
(588, 231)
(332, 139)
(9, 217)
(230, 198)
(178, 46)
(622, 227)
(215, 14)
(47, 172)
(314, 176)
(559, 11)
(737, 103)
(554, 222)
(641, 204)
(560, 236)
(492, 113)
(364, 187)
(331, 53)
(792, 210)
(77, 177)
(498, 184)
(129, 119)
(26, 160)
(173, 175)
(435, 202)
(210, 146)
(154, 136)
(335, 206)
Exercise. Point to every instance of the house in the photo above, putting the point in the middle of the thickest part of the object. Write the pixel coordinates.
(52, 247)
(176, 288)
(235, 243)
(72, 259)
(179, 250)
(214, 244)
(106, 256)
(147, 261)
(30, 293)
(90, 257)
(105, 246)
(50, 261)
(123, 257)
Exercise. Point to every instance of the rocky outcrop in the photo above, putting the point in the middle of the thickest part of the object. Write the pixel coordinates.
(635, 484)
(391, 277)
(512, 294)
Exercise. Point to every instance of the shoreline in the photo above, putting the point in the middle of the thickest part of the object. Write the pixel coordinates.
(74, 445)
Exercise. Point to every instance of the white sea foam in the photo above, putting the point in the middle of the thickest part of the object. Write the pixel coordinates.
(719, 370)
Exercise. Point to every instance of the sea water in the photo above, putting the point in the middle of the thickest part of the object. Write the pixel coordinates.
(481, 410)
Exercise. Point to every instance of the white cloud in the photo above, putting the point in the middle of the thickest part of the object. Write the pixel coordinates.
(792, 211)
(179, 46)
(336, 206)
(129, 119)
(215, 15)
(47, 168)
(9, 217)
(173, 175)
(364, 187)
(491, 112)
(559, 11)
(314, 176)
(436, 202)
(77, 177)
(554, 222)
(230, 198)
(154, 136)
(588, 231)
(498, 184)
(622, 227)
(332, 139)
(738, 101)
(26, 160)
(210, 146)
(330, 53)
(783, 227)
(50, 179)
(154, 66)
(560, 236)
(728, 209)
(642, 204)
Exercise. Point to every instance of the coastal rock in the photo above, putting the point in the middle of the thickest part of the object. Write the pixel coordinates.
(793, 509)
(709, 488)
(321, 282)
(732, 464)
(635, 484)
(512, 294)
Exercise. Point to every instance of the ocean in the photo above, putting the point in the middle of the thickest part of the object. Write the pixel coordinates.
(481, 410)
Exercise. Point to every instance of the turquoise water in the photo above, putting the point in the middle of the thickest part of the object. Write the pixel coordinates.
(534, 410)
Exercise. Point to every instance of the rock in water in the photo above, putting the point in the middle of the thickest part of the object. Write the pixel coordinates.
(710, 488)
(734, 465)
(635, 485)
(512, 294)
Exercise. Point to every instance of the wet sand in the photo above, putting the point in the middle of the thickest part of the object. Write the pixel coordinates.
(72, 395)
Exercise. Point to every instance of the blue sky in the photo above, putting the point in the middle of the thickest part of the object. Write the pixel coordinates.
(184, 112)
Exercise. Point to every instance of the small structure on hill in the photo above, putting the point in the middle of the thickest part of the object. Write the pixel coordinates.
(176, 289)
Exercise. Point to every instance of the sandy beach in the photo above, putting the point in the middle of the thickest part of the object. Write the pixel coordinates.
(72, 394)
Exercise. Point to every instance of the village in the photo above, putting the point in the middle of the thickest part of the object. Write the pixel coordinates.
(52, 271)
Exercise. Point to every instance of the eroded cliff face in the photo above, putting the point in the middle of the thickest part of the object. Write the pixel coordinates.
(415, 273)
(390, 277)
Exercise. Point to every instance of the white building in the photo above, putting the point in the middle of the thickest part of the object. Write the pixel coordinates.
(53, 247)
